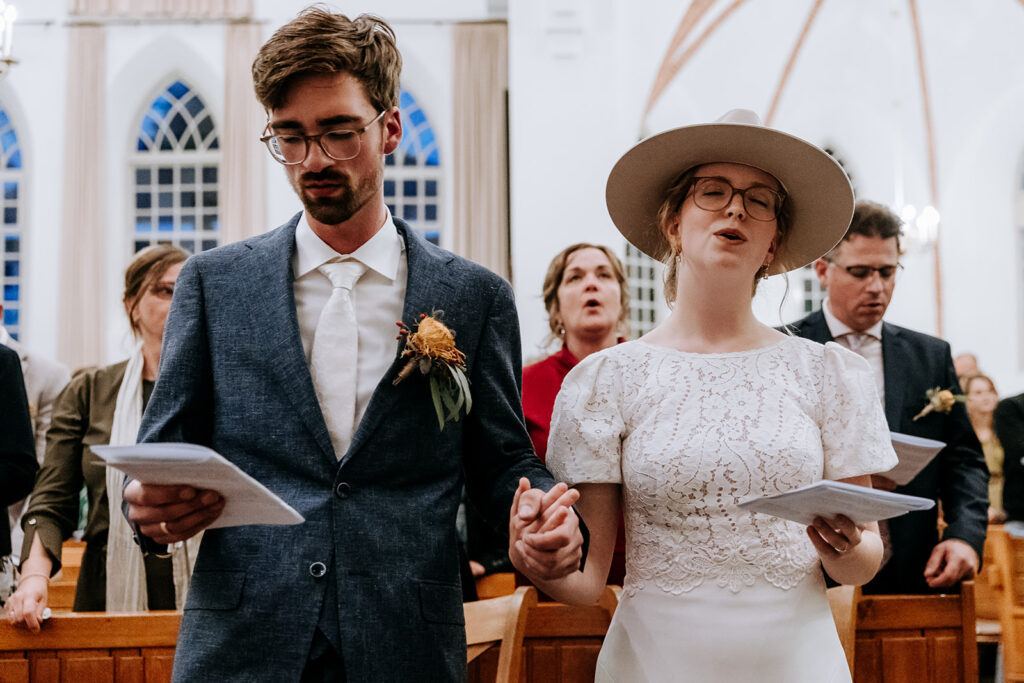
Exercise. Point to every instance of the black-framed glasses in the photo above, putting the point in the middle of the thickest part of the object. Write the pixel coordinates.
(340, 145)
(761, 202)
(862, 272)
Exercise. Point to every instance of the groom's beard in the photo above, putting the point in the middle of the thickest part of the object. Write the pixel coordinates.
(329, 197)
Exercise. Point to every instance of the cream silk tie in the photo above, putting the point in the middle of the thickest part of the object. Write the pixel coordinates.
(334, 359)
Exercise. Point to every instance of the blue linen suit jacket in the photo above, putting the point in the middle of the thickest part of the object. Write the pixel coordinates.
(912, 363)
(233, 377)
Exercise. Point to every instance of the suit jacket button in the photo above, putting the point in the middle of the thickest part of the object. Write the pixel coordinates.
(342, 490)
(317, 570)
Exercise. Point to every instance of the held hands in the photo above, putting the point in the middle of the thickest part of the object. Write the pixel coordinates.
(545, 541)
(951, 561)
(168, 514)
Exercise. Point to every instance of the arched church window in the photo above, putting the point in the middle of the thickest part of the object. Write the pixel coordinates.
(412, 173)
(174, 170)
(12, 177)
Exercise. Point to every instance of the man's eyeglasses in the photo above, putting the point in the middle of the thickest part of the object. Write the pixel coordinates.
(339, 145)
(862, 272)
(714, 194)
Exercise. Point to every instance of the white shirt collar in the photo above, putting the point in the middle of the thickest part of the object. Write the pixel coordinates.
(380, 253)
(838, 328)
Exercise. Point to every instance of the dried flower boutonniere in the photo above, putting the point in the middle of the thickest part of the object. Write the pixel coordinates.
(431, 350)
(940, 401)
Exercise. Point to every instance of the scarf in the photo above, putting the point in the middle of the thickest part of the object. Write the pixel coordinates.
(126, 572)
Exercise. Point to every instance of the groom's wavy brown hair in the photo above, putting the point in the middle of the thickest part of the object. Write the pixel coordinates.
(319, 41)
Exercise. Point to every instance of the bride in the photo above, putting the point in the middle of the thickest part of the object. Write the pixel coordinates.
(713, 407)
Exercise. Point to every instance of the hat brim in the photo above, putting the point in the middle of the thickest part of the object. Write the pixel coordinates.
(819, 193)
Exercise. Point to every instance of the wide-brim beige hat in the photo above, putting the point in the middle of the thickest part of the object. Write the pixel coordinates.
(819, 193)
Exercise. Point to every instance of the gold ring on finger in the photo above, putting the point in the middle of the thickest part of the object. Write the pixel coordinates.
(163, 528)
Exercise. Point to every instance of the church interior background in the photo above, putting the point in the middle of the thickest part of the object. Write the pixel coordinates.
(128, 123)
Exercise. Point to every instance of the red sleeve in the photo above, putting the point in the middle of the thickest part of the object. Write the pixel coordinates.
(541, 382)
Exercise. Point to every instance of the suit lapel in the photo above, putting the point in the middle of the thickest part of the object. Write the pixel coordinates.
(273, 305)
(816, 329)
(894, 357)
(425, 288)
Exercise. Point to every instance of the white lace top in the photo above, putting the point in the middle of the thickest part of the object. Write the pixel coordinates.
(690, 435)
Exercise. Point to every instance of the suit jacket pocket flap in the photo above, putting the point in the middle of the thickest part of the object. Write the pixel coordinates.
(219, 590)
(441, 603)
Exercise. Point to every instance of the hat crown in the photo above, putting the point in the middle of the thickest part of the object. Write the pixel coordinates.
(742, 116)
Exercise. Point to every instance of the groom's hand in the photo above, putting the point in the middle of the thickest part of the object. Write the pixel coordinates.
(545, 541)
(168, 514)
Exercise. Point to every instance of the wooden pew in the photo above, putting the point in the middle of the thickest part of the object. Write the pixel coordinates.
(499, 621)
(62, 586)
(1009, 552)
(91, 647)
(916, 638)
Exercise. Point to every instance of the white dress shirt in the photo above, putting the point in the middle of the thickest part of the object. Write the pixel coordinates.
(378, 297)
(867, 343)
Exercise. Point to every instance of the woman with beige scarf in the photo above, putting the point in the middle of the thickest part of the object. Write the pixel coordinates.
(100, 406)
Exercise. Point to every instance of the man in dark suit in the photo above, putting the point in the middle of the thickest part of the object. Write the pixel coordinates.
(17, 449)
(860, 275)
(367, 588)
(1008, 423)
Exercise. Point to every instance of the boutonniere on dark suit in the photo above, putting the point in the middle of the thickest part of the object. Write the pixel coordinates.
(431, 350)
(940, 401)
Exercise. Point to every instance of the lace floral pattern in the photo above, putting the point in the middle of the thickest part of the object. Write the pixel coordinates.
(690, 435)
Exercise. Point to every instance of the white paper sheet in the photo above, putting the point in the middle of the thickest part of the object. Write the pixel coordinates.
(246, 501)
(914, 453)
(830, 498)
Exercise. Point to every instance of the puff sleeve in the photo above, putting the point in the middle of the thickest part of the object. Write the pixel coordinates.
(854, 433)
(587, 428)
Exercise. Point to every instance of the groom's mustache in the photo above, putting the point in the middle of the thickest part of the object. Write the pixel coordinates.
(326, 176)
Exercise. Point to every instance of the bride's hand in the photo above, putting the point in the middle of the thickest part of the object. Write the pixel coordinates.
(834, 537)
(26, 607)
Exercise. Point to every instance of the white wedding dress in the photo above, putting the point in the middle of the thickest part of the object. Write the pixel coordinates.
(712, 592)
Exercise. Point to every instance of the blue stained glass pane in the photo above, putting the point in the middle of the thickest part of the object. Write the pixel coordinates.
(142, 145)
(178, 126)
(409, 188)
(210, 223)
(389, 160)
(15, 160)
(11, 190)
(188, 223)
(149, 127)
(391, 208)
(405, 100)
(12, 244)
(209, 244)
(430, 212)
(10, 215)
(409, 160)
(209, 199)
(209, 174)
(389, 188)
(165, 176)
(188, 245)
(178, 89)
(166, 200)
(433, 159)
(190, 143)
(194, 105)
(10, 292)
(430, 188)
(409, 212)
(140, 245)
(142, 176)
(8, 140)
(165, 223)
(165, 145)
(188, 199)
(417, 117)
(4, 121)
(214, 144)
(204, 127)
(10, 316)
(188, 176)
(143, 225)
(11, 268)
(426, 138)
(160, 107)
(143, 200)
(434, 237)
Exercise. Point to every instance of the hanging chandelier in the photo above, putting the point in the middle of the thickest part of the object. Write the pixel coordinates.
(8, 13)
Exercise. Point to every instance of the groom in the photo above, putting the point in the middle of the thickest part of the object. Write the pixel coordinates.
(289, 372)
